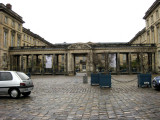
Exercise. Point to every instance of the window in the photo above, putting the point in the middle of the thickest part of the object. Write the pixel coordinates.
(84, 67)
(34, 42)
(153, 41)
(19, 40)
(142, 39)
(158, 34)
(148, 35)
(31, 40)
(147, 22)
(5, 38)
(19, 27)
(12, 39)
(22, 76)
(13, 23)
(6, 20)
(5, 76)
(103, 57)
(24, 37)
(152, 19)
(27, 38)
(159, 57)
(157, 14)
(77, 58)
(62, 58)
(84, 58)
(124, 57)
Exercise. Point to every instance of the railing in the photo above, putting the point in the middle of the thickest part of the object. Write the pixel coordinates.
(98, 45)
(123, 45)
(34, 47)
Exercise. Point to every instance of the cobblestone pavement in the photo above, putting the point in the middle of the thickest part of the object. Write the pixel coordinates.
(67, 98)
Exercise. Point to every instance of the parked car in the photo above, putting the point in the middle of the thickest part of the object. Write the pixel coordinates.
(15, 83)
(156, 82)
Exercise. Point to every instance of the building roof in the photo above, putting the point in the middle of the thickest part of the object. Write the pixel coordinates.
(27, 31)
(137, 35)
(92, 45)
(10, 12)
(152, 8)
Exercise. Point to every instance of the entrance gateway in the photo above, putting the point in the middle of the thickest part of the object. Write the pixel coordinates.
(120, 58)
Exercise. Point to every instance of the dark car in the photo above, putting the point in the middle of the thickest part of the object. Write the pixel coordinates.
(156, 82)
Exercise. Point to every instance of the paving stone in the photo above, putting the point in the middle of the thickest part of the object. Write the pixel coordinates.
(67, 98)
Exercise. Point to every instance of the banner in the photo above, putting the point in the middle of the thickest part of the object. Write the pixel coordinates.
(48, 61)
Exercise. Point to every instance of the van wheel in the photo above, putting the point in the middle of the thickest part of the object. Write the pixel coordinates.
(26, 94)
(14, 93)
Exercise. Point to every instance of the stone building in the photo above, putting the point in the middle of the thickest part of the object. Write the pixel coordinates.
(23, 50)
(151, 33)
(13, 34)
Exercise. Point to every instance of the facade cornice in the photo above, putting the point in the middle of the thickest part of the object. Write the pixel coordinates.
(137, 35)
(65, 48)
(27, 31)
(4, 9)
(152, 8)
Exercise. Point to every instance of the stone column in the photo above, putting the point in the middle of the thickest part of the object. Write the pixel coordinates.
(42, 64)
(32, 63)
(154, 56)
(118, 63)
(138, 63)
(57, 62)
(53, 63)
(36, 64)
(65, 62)
(90, 61)
(150, 62)
(27, 63)
(18, 63)
(36, 60)
(70, 64)
(11, 62)
(91, 57)
(106, 62)
(129, 63)
(22, 62)
(141, 62)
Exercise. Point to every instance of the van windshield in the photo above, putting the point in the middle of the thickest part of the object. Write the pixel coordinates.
(23, 76)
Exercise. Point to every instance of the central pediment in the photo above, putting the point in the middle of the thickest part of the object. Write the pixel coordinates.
(80, 46)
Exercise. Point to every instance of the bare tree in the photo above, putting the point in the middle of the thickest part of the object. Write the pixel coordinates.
(107, 61)
(100, 63)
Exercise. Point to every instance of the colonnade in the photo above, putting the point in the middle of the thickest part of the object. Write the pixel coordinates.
(64, 63)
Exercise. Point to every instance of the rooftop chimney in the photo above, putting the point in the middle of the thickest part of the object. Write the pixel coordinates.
(9, 6)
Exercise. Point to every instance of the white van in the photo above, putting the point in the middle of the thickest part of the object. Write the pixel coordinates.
(15, 83)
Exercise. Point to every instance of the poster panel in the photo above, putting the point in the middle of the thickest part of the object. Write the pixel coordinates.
(48, 61)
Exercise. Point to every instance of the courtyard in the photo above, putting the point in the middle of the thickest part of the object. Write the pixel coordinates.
(68, 98)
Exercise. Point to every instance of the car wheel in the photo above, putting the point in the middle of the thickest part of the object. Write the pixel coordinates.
(26, 94)
(14, 93)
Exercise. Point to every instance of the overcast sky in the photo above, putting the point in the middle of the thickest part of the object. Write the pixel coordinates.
(72, 21)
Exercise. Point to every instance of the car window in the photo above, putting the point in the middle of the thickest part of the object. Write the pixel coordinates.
(23, 76)
(5, 76)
